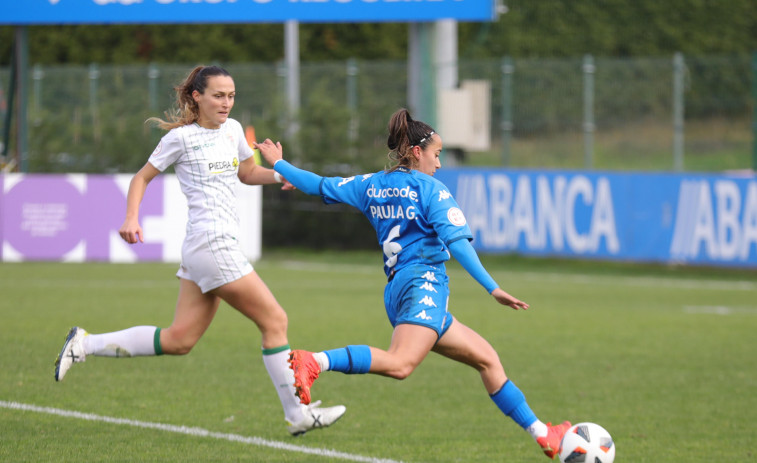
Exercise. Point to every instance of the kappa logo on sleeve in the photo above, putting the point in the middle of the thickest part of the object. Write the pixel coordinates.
(444, 194)
(346, 181)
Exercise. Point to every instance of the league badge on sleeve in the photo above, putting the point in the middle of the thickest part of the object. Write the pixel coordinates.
(456, 216)
(158, 149)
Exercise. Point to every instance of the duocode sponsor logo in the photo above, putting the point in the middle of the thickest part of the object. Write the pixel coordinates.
(384, 193)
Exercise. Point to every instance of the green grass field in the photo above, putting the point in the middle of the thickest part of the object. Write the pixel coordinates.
(664, 358)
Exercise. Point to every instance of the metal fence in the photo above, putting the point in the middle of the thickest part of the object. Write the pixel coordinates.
(691, 113)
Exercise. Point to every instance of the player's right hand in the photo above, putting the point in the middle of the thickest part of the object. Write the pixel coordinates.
(131, 232)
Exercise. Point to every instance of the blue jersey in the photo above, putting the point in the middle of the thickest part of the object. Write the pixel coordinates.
(414, 215)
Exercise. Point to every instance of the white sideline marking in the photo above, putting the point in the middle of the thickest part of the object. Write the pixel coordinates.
(579, 278)
(198, 432)
(371, 269)
(718, 309)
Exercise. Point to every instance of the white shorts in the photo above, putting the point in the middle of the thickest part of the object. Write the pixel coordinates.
(212, 260)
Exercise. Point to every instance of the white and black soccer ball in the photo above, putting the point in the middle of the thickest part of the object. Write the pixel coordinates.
(587, 443)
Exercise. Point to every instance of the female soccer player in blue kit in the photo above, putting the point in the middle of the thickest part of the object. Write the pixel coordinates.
(418, 225)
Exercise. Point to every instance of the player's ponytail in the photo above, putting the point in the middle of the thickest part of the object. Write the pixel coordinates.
(404, 133)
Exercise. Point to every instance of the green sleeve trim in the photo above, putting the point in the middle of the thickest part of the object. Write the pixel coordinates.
(275, 350)
(156, 342)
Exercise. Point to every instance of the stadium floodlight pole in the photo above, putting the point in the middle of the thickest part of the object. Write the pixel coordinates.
(421, 72)
(352, 102)
(446, 69)
(38, 76)
(508, 68)
(292, 58)
(589, 125)
(94, 112)
(153, 89)
(20, 69)
(9, 111)
(678, 121)
(446, 54)
(153, 76)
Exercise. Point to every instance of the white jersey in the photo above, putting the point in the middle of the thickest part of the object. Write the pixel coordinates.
(206, 162)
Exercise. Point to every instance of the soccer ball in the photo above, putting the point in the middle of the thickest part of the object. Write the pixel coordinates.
(587, 443)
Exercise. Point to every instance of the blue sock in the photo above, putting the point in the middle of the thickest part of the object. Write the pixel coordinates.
(512, 402)
(351, 359)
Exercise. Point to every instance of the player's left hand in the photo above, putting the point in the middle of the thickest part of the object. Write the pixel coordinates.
(271, 151)
(506, 299)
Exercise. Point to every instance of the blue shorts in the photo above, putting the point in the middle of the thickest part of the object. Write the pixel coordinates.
(418, 295)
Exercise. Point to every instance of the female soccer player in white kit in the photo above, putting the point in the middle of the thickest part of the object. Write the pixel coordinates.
(418, 225)
(210, 156)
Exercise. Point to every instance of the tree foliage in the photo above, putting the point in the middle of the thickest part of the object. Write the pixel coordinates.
(544, 28)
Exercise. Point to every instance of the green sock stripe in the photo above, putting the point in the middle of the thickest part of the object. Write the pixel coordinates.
(156, 342)
(275, 350)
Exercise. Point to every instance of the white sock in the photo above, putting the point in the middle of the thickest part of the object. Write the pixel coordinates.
(131, 342)
(537, 429)
(323, 360)
(283, 380)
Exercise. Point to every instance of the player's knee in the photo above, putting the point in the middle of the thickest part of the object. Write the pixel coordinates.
(176, 343)
(275, 324)
(402, 371)
(488, 360)
(282, 321)
(177, 348)
(183, 350)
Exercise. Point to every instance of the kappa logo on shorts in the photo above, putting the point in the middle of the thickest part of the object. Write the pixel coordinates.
(428, 287)
(427, 301)
(430, 276)
(423, 316)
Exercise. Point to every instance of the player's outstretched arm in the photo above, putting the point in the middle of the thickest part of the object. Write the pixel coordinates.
(250, 173)
(304, 180)
(464, 253)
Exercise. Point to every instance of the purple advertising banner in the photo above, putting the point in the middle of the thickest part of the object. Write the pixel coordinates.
(52, 217)
(76, 217)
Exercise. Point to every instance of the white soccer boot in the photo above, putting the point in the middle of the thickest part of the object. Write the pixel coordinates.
(315, 417)
(72, 352)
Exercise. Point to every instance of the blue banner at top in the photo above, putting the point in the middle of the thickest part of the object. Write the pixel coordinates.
(33, 12)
